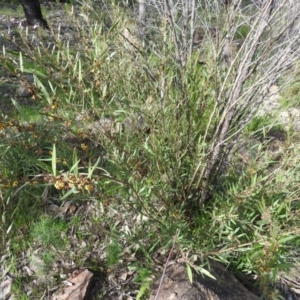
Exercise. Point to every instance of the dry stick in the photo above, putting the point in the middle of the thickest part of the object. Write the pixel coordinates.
(185, 13)
(223, 126)
(212, 115)
(170, 19)
(147, 68)
(234, 248)
(274, 70)
(165, 268)
(192, 25)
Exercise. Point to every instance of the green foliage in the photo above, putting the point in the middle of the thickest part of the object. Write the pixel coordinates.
(290, 95)
(242, 32)
(48, 258)
(113, 251)
(258, 124)
(48, 232)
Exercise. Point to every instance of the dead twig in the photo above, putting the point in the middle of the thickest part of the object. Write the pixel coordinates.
(166, 264)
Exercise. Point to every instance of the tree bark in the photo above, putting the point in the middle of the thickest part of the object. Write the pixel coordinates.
(33, 13)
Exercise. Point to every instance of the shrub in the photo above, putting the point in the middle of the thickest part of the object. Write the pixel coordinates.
(152, 130)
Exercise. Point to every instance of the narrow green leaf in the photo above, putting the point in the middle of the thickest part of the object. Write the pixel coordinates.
(76, 161)
(21, 62)
(14, 53)
(142, 290)
(10, 67)
(20, 110)
(112, 28)
(189, 272)
(42, 165)
(70, 192)
(9, 228)
(104, 91)
(79, 71)
(287, 239)
(92, 169)
(205, 272)
(54, 160)
(35, 71)
(43, 90)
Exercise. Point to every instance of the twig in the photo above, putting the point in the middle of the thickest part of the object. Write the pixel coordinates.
(165, 268)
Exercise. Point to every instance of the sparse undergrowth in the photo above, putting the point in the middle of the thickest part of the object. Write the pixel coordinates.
(109, 164)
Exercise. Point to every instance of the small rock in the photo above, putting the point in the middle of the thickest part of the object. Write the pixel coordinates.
(78, 286)
(37, 265)
(135, 124)
(57, 75)
(106, 126)
(30, 78)
(176, 285)
(5, 288)
(24, 92)
(290, 118)
(28, 271)
(271, 103)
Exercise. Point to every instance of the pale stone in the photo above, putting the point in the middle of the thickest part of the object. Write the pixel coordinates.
(176, 285)
(78, 286)
(24, 92)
